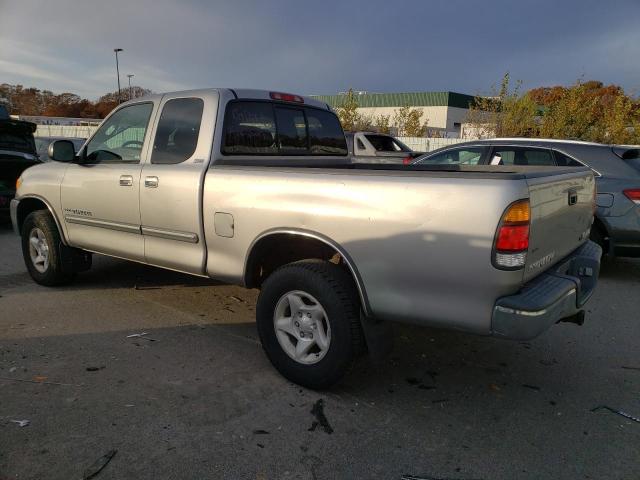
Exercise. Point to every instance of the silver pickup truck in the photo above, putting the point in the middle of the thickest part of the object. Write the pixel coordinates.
(256, 188)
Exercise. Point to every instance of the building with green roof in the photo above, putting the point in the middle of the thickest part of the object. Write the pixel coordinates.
(442, 111)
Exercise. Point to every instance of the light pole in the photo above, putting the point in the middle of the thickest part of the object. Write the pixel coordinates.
(129, 77)
(116, 50)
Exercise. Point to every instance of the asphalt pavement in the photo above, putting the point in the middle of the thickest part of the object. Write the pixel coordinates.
(194, 397)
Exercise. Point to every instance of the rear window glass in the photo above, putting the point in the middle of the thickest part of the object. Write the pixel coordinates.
(265, 128)
(383, 143)
(292, 130)
(17, 142)
(565, 161)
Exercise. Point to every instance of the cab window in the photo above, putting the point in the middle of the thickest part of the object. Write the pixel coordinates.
(178, 130)
(120, 138)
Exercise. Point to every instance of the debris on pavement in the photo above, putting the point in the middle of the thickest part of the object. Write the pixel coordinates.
(321, 420)
(95, 369)
(237, 299)
(22, 423)
(13, 369)
(142, 335)
(416, 477)
(618, 412)
(260, 432)
(630, 368)
(532, 387)
(98, 465)
(38, 381)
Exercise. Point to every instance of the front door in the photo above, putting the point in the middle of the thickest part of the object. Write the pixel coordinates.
(172, 181)
(100, 194)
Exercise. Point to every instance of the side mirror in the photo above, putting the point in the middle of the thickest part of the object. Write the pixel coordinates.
(61, 151)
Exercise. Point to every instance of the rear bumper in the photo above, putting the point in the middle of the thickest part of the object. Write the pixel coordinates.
(557, 294)
(13, 212)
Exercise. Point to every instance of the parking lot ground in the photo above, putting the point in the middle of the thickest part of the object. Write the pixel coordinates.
(196, 398)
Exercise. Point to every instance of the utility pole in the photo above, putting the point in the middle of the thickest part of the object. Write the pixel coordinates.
(129, 77)
(116, 50)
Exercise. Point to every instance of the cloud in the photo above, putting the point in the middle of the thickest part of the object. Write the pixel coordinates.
(317, 47)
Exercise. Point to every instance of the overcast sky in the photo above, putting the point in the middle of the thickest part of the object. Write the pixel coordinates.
(318, 47)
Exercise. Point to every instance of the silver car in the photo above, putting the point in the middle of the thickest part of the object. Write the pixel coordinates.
(616, 167)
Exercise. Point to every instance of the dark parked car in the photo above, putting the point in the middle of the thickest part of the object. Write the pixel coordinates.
(616, 167)
(17, 153)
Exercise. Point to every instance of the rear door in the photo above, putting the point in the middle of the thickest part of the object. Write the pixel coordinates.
(521, 156)
(100, 196)
(171, 183)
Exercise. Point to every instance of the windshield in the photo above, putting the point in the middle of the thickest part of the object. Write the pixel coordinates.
(384, 143)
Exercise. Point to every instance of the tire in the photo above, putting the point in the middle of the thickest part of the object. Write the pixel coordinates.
(41, 249)
(337, 320)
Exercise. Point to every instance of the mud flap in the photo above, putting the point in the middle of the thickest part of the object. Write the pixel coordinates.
(74, 260)
(379, 337)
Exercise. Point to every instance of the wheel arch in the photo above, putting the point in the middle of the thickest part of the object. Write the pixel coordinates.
(31, 203)
(290, 245)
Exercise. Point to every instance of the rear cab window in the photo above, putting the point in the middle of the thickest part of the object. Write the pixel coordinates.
(271, 128)
(563, 160)
(384, 143)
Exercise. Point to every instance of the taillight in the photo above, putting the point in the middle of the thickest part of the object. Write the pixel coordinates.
(407, 160)
(633, 195)
(512, 238)
(286, 97)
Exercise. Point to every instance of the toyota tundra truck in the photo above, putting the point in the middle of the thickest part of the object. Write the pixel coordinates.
(256, 188)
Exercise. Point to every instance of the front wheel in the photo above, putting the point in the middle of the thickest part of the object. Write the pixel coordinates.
(308, 322)
(41, 249)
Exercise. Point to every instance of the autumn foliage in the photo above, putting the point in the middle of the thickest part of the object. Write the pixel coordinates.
(588, 111)
(32, 101)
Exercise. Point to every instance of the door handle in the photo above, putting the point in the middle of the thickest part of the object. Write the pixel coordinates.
(151, 182)
(126, 180)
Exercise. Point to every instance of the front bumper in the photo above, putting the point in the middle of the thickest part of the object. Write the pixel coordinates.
(13, 212)
(557, 294)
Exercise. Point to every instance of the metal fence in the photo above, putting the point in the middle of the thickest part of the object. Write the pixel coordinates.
(68, 131)
(419, 144)
(422, 144)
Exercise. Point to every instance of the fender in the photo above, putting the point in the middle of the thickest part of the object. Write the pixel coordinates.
(327, 241)
(51, 210)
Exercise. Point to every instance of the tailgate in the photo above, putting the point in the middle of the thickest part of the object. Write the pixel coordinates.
(561, 217)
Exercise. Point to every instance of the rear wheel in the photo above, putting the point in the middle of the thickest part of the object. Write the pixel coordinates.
(308, 322)
(41, 249)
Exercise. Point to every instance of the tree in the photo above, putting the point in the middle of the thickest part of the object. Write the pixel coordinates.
(407, 120)
(381, 123)
(348, 112)
(505, 113)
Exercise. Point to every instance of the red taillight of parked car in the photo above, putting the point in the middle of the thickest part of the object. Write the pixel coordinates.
(633, 195)
(512, 238)
(407, 160)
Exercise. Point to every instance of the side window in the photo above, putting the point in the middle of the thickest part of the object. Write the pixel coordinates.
(522, 156)
(565, 161)
(120, 138)
(325, 133)
(458, 156)
(360, 145)
(177, 132)
(250, 128)
(292, 130)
